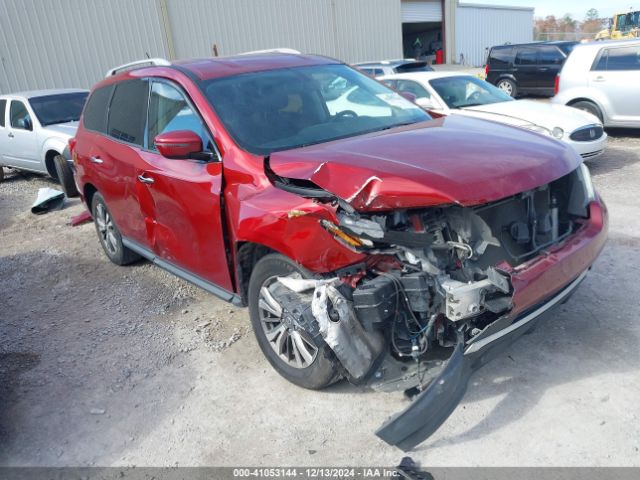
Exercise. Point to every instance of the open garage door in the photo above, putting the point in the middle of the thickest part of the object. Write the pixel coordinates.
(421, 28)
(421, 11)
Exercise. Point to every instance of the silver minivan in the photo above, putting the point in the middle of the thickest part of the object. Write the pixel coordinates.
(603, 78)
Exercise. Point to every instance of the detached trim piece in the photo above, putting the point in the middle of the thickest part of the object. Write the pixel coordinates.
(435, 404)
(480, 344)
(179, 272)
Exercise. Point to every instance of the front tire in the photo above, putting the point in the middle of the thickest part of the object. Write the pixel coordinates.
(108, 233)
(507, 86)
(306, 361)
(65, 176)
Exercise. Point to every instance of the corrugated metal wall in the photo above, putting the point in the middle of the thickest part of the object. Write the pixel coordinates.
(478, 28)
(71, 43)
(421, 11)
(368, 30)
(352, 30)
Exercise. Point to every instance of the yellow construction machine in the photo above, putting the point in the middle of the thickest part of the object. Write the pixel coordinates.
(622, 26)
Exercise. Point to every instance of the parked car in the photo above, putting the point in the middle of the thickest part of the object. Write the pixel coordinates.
(35, 128)
(452, 93)
(366, 248)
(528, 68)
(389, 67)
(602, 78)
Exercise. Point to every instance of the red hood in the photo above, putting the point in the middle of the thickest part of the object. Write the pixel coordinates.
(447, 160)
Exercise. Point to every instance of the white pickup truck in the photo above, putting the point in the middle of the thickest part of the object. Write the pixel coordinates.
(35, 128)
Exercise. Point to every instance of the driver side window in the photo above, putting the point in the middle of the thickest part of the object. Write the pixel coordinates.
(169, 111)
(19, 116)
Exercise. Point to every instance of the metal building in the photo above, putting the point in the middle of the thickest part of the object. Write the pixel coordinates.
(479, 27)
(71, 43)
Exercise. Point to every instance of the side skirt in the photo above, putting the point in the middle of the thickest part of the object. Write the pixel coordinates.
(182, 273)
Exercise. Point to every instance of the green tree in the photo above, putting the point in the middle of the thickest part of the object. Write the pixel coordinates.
(592, 15)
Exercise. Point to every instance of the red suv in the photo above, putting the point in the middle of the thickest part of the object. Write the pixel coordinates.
(369, 240)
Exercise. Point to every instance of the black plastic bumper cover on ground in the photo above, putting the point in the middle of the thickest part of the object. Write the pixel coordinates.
(433, 406)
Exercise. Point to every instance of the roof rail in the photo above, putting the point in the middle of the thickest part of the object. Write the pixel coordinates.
(273, 50)
(147, 62)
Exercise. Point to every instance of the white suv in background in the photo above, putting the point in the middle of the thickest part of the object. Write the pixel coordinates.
(36, 126)
(603, 78)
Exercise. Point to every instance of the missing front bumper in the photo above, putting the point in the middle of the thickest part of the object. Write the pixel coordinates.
(435, 404)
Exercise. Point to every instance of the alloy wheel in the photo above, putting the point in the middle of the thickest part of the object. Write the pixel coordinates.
(289, 344)
(506, 87)
(106, 228)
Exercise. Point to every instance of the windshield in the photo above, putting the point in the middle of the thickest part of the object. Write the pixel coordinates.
(61, 108)
(288, 108)
(414, 67)
(465, 91)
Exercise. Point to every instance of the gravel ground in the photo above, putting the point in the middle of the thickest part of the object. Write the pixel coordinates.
(106, 365)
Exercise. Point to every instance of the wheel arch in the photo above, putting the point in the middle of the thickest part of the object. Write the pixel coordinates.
(506, 76)
(247, 254)
(52, 147)
(88, 191)
(573, 101)
(48, 163)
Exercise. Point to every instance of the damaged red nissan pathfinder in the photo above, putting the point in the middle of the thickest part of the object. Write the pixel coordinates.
(370, 241)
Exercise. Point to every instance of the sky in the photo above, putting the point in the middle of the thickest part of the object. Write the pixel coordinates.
(577, 8)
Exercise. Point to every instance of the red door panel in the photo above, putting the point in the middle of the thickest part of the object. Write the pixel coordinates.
(184, 221)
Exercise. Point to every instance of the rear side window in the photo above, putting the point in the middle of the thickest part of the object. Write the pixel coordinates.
(500, 57)
(374, 72)
(128, 111)
(601, 63)
(3, 109)
(550, 56)
(412, 87)
(526, 56)
(94, 116)
(623, 58)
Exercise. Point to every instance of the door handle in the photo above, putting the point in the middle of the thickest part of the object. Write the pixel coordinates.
(599, 78)
(96, 160)
(543, 69)
(11, 135)
(147, 180)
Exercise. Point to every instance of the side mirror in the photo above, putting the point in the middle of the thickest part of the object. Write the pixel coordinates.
(179, 144)
(25, 124)
(409, 96)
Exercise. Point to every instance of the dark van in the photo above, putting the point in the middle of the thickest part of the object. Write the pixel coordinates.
(528, 68)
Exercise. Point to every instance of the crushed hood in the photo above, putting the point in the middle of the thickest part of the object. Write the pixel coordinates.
(442, 161)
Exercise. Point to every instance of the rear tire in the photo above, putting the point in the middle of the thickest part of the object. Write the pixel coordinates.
(1, 173)
(314, 374)
(108, 233)
(589, 107)
(65, 176)
(508, 86)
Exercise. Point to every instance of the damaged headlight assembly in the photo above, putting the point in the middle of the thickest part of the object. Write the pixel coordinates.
(432, 298)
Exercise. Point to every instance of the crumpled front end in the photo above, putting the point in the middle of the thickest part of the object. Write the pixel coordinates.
(443, 288)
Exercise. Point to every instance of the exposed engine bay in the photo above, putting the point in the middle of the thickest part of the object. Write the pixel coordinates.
(432, 276)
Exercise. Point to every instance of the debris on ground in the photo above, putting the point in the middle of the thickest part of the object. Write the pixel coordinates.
(48, 199)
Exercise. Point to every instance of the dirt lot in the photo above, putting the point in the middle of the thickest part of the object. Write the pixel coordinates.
(104, 365)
